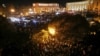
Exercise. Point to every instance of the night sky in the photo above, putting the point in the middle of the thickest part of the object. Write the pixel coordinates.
(27, 2)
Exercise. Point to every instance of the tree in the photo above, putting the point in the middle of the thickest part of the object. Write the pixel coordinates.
(7, 31)
(70, 26)
(12, 42)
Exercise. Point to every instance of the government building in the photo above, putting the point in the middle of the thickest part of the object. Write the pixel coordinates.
(93, 5)
(45, 7)
(77, 6)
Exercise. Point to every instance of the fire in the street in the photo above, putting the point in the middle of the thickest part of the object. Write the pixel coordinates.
(51, 30)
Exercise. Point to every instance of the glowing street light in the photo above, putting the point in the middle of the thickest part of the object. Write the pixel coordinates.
(30, 11)
(51, 30)
(3, 5)
(12, 10)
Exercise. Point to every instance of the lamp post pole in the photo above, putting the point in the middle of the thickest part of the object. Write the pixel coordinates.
(4, 10)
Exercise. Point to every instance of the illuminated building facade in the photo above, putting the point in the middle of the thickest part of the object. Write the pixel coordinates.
(45, 7)
(77, 6)
(88, 5)
(96, 5)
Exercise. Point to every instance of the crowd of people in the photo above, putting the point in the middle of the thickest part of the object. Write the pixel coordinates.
(73, 38)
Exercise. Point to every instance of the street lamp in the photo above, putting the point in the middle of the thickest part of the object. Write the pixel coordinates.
(12, 10)
(4, 10)
(30, 11)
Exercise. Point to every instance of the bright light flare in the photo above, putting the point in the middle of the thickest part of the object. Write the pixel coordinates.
(12, 10)
(51, 30)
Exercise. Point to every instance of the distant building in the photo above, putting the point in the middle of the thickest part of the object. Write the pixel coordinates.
(93, 5)
(77, 6)
(45, 7)
(96, 5)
